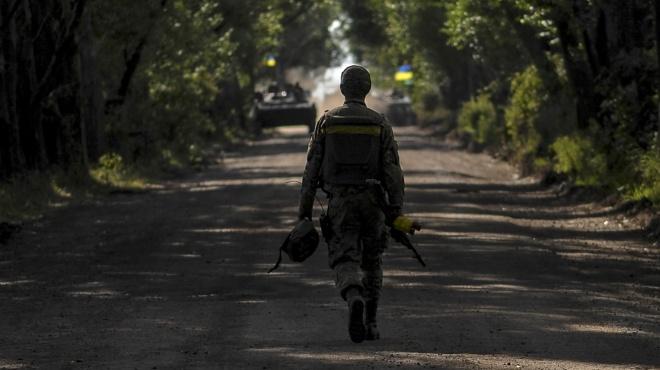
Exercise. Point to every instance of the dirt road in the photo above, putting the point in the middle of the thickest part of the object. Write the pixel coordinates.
(517, 277)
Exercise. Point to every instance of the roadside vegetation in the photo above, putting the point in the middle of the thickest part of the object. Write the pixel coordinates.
(96, 95)
(114, 93)
(30, 194)
(563, 86)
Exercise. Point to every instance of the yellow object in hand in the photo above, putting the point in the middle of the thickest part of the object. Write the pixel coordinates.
(406, 225)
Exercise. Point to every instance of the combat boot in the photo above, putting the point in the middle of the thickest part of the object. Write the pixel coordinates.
(356, 328)
(372, 332)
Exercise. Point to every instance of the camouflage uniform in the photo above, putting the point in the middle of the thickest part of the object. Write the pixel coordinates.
(357, 220)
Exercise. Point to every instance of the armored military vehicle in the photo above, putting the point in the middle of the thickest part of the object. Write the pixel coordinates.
(283, 105)
(399, 110)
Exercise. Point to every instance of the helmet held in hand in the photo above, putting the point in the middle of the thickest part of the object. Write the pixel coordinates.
(300, 244)
(302, 241)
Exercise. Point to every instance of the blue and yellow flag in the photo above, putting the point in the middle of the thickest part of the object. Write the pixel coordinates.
(404, 73)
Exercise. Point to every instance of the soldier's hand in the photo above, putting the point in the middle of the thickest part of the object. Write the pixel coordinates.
(392, 213)
(304, 215)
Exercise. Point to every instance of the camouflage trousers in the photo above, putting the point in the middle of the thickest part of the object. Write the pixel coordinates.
(356, 248)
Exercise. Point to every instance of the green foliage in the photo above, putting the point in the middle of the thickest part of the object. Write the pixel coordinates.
(478, 118)
(468, 27)
(522, 114)
(182, 80)
(386, 34)
(552, 72)
(29, 195)
(111, 162)
(577, 157)
(113, 171)
(484, 29)
(649, 168)
(198, 65)
(316, 47)
(167, 79)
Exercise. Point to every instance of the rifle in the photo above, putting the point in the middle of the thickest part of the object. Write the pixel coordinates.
(400, 226)
(402, 238)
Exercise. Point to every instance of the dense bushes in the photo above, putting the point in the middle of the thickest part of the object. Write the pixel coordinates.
(649, 168)
(577, 157)
(154, 81)
(522, 115)
(523, 126)
(635, 175)
(478, 119)
(151, 84)
(576, 86)
(537, 130)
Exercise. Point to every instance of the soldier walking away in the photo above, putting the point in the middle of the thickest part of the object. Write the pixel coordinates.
(351, 149)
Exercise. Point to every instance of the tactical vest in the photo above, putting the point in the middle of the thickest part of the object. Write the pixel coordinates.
(352, 149)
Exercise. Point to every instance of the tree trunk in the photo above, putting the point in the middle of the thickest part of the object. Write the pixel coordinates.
(594, 65)
(131, 64)
(33, 116)
(578, 74)
(17, 158)
(65, 46)
(602, 40)
(239, 101)
(657, 50)
(5, 133)
(89, 91)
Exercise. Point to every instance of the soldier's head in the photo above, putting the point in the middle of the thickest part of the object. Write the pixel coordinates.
(355, 82)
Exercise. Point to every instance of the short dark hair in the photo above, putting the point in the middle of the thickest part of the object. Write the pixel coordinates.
(355, 82)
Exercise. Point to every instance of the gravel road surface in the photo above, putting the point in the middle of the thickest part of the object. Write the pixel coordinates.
(175, 278)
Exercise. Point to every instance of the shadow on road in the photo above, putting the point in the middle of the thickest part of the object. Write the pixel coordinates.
(177, 278)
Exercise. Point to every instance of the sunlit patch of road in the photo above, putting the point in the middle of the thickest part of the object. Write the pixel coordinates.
(517, 276)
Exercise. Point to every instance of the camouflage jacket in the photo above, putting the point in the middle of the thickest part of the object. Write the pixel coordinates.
(391, 176)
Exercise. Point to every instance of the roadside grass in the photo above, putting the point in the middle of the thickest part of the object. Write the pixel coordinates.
(649, 167)
(30, 195)
(112, 172)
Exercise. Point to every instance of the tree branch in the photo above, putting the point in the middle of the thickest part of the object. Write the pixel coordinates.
(534, 47)
(12, 10)
(61, 47)
(133, 62)
(42, 26)
(304, 8)
(131, 66)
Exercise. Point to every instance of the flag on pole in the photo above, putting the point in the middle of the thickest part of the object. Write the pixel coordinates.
(404, 73)
(270, 61)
